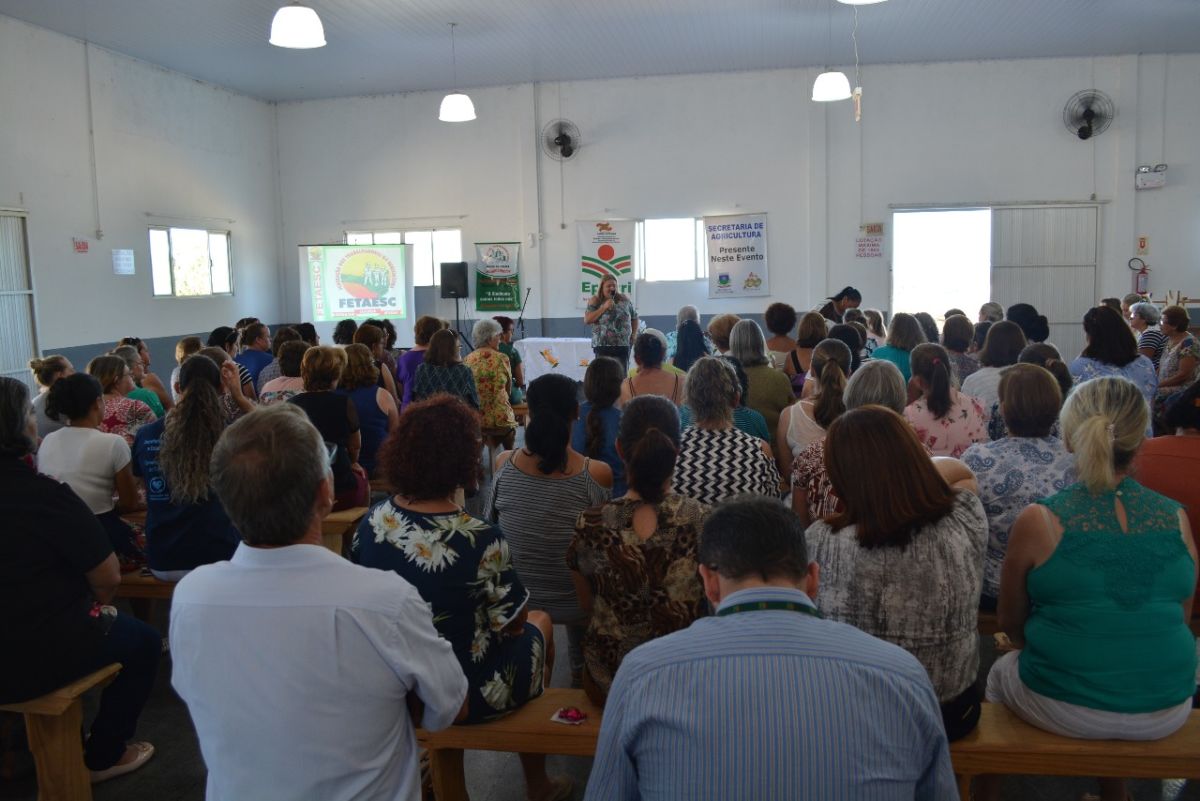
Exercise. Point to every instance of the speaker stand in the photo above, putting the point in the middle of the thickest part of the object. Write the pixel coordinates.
(458, 328)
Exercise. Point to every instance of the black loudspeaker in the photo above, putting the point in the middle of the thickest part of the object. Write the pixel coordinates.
(454, 279)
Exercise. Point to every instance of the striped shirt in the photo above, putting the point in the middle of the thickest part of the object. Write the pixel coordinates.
(1153, 339)
(771, 704)
(537, 515)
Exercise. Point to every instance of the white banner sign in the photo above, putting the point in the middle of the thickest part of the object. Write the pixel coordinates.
(605, 250)
(737, 256)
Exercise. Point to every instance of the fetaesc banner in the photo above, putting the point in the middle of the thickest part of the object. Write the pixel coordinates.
(497, 276)
(605, 249)
(737, 256)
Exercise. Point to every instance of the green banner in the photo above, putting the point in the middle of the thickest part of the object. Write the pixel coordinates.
(497, 276)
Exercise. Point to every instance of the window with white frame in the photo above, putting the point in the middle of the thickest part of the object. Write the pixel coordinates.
(671, 249)
(190, 262)
(430, 249)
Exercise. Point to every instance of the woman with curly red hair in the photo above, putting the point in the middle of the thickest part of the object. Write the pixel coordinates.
(461, 566)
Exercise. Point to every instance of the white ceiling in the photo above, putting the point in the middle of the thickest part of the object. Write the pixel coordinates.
(381, 46)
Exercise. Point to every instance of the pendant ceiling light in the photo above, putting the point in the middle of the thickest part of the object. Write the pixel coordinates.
(297, 27)
(831, 86)
(456, 106)
(860, 2)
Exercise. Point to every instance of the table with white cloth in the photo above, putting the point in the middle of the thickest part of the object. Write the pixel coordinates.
(565, 356)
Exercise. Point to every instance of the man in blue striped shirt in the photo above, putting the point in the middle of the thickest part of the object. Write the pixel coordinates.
(765, 700)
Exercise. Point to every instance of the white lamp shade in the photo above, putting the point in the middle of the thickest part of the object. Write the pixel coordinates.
(860, 2)
(456, 107)
(297, 27)
(831, 86)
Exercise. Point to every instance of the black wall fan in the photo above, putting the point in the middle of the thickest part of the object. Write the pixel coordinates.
(560, 139)
(1088, 113)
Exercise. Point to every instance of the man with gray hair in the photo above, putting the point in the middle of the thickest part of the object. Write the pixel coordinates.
(765, 699)
(304, 674)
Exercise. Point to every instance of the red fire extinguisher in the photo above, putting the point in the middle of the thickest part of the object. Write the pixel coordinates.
(1141, 276)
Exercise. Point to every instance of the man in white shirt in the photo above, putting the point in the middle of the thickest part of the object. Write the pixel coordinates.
(300, 670)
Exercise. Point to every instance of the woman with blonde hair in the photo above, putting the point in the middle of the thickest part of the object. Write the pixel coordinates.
(1096, 590)
(122, 415)
(804, 422)
(376, 406)
(148, 379)
(46, 371)
(876, 330)
(183, 348)
(374, 338)
(719, 329)
(137, 370)
(186, 526)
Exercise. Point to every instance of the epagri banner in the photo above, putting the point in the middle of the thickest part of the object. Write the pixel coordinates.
(356, 281)
(497, 276)
(737, 256)
(605, 249)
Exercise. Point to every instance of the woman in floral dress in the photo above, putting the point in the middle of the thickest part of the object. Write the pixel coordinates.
(493, 381)
(946, 421)
(122, 415)
(461, 566)
(1180, 363)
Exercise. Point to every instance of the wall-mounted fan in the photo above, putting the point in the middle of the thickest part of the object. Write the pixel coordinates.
(1088, 113)
(560, 139)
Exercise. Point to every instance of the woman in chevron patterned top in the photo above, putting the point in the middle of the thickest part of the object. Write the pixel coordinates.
(716, 460)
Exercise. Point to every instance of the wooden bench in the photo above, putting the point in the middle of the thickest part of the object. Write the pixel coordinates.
(337, 528)
(521, 412)
(142, 589)
(528, 730)
(1004, 744)
(53, 723)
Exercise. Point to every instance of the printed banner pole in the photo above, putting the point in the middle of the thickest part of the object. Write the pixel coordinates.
(497, 276)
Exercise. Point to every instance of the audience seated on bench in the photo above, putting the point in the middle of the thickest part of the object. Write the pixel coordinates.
(57, 568)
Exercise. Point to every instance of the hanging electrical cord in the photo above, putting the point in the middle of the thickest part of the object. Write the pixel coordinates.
(857, 94)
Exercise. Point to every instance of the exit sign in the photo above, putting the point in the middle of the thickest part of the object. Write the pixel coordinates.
(872, 229)
(81, 245)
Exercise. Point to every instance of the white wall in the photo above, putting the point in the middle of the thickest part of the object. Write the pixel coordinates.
(385, 162)
(973, 132)
(165, 144)
(664, 146)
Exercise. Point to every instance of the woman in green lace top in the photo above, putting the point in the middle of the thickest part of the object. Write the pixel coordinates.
(1096, 590)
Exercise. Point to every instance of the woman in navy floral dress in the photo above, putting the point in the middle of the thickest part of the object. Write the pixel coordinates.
(461, 566)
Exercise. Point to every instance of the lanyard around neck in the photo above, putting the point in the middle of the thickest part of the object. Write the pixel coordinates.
(760, 606)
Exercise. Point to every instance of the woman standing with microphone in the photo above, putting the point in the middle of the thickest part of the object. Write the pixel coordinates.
(613, 320)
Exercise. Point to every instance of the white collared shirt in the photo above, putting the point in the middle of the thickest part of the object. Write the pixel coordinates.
(295, 665)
